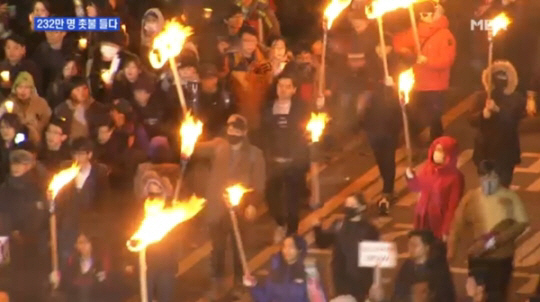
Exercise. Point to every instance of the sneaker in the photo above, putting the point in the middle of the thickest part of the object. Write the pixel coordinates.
(279, 234)
(384, 206)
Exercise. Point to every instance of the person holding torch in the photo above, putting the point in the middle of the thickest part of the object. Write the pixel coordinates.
(23, 219)
(233, 160)
(432, 68)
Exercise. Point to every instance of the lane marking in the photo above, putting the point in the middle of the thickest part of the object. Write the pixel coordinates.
(534, 168)
(372, 174)
(330, 206)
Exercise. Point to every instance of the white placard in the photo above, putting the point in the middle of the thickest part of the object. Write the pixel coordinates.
(377, 253)
(4, 250)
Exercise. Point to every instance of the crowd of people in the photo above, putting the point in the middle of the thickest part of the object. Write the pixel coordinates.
(251, 74)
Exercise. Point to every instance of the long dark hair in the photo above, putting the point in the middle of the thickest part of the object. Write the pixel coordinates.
(280, 268)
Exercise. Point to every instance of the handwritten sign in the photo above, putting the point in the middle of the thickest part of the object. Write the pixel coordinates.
(377, 253)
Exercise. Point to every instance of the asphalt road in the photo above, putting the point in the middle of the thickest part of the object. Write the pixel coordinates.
(354, 171)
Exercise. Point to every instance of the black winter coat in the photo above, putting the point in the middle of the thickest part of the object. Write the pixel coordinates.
(349, 279)
(498, 138)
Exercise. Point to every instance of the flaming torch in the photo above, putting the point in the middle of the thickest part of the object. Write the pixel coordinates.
(158, 221)
(9, 106)
(167, 45)
(498, 23)
(377, 9)
(406, 83)
(332, 11)
(190, 130)
(5, 76)
(316, 126)
(235, 194)
(59, 180)
(83, 43)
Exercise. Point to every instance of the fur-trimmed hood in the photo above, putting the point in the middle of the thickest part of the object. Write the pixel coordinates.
(511, 73)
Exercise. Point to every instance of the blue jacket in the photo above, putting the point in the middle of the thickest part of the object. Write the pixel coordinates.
(286, 283)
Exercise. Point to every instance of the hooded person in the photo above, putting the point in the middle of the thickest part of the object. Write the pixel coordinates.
(109, 59)
(432, 68)
(345, 236)
(152, 24)
(233, 160)
(440, 184)
(497, 121)
(80, 111)
(33, 111)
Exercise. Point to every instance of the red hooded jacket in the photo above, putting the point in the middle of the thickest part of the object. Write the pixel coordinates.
(438, 44)
(440, 187)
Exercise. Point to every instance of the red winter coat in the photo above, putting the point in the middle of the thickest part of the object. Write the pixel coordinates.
(438, 44)
(440, 188)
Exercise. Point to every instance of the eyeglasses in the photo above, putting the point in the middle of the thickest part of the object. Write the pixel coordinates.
(426, 14)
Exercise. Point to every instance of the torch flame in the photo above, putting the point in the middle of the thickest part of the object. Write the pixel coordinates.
(333, 10)
(169, 43)
(106, 76)
(190, 130)
(406, 83)
(235, 194)
(378, 8)
(500, 22)
(159, 220)
(316, 125)
(9, 106)
(5, 75)
(62, 178)
(83, 43)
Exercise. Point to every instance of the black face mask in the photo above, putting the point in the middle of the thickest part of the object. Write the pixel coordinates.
(350, 212)
(234, 139)
(500, 82)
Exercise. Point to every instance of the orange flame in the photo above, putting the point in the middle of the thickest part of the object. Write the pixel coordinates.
(169, 43)
(9, 106)
(106, 76)
(378, 8)
(406, 83)
(159, 220)
(190, 130)
(62, 178)
(316, 125)
(235, 194)
(5, 75)
(500, 22)
(83, 43)
(333, 10)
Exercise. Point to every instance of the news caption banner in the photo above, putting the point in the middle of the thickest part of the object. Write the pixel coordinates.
(77, 24)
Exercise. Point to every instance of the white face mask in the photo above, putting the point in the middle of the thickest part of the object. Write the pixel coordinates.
(151, 28)
(108, 52)
(438, 157)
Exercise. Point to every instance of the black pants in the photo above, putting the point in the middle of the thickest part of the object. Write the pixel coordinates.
(498, 274)
(384, 150)
(505, 172)
(220, 233)
(285, 186)
(426, 109)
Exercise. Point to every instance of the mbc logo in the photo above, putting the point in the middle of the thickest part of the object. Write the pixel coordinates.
(480, 25)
